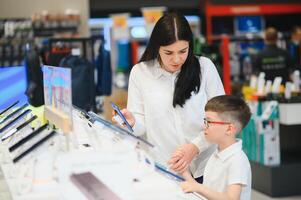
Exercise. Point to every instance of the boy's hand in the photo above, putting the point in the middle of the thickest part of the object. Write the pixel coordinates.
(190, 186)
(187, 176)
(181, 163)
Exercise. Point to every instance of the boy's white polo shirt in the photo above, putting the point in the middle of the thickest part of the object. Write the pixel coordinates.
(230, 166)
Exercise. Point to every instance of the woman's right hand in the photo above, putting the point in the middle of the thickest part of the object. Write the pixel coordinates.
(128, 116)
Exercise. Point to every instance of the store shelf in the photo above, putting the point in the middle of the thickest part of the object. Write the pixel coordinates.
(290, 138)
(212, 10)
(256, 9)
(43, 32)
(285, 179)
(278, 181)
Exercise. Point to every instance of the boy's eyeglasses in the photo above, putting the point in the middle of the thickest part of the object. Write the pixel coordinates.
(207, 122)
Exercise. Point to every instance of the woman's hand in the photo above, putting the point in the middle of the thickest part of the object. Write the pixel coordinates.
(128, 116)
(182, 157)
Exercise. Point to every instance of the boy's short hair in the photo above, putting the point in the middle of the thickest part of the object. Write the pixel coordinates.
(230, 107)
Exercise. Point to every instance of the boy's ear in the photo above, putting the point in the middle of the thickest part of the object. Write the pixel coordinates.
(232, 129)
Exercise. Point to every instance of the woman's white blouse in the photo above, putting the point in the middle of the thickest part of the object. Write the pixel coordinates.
(150, 96)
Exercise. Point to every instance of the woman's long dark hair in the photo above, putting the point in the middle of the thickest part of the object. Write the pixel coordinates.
(170, 28)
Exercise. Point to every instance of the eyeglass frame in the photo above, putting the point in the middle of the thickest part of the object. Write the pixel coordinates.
(207, 122)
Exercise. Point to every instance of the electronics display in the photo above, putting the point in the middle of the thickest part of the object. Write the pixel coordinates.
(165, 171)
(92, 187)
(14, 121)
(15, 130)
(249, 24)
(13, 113)
(119, 113)
(12, 86)
(8, 108)
(34, 146)
(95, 118)
(27, 138)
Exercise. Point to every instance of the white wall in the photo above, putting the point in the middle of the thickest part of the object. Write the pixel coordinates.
(25, 8)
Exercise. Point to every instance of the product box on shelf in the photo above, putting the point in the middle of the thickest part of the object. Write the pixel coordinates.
(261, 141)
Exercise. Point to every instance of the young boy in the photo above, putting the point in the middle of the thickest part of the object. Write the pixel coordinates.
(227, 173)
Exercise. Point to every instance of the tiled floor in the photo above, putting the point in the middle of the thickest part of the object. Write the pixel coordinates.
(259, 196)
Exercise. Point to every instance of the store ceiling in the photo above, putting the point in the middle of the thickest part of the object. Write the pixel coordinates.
(101, 8)
(229, 2)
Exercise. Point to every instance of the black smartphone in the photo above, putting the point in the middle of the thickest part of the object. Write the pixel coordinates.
(124, 121)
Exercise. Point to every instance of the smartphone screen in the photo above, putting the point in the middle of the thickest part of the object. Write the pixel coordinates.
(116, 108)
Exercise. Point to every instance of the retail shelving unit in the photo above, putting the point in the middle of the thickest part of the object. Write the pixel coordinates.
(285, 179)
(249, 9)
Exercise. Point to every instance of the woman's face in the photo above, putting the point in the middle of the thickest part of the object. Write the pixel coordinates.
(173, 56)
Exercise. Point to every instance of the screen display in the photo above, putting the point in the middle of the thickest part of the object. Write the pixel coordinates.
(249, 24)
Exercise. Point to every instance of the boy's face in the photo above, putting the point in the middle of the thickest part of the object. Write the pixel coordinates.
(215, 129)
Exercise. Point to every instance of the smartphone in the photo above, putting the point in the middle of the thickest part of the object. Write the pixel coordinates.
(123, 119)
(92, 187)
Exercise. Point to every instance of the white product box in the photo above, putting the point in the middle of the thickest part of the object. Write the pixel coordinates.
(289, 113)
(268, 142)
(271, 154)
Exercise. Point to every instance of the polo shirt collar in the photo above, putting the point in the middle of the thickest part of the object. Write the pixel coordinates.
(229, 151)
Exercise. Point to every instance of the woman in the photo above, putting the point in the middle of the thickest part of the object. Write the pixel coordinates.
(167, 93)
